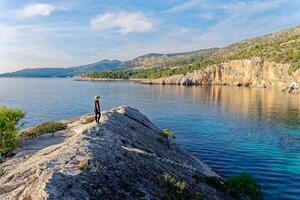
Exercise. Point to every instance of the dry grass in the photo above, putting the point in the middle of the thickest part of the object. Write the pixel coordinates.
(178, 189)
(2, 171)
(88, 119)
(47, 127)
(82, 165)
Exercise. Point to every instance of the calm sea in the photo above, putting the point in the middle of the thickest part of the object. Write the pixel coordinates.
(233, 129)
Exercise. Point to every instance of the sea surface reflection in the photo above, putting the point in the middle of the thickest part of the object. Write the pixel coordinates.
(233, 129)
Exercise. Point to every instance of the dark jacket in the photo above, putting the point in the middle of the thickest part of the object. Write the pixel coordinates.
(97, 106)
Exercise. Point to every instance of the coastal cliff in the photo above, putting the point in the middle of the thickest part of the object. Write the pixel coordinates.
(246, 72)
(267, 61)
(120, 158)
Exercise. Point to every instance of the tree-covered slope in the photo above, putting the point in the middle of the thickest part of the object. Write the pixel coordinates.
(280, 47)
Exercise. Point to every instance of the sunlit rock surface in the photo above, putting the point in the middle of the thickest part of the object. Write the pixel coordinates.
(120, 158)
(247, 72)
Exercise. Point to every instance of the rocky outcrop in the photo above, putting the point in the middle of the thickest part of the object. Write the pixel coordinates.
(85, 78)
(293, 88)
(248, 72)
(120, 158)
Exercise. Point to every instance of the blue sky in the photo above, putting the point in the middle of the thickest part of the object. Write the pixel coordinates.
(61, 33)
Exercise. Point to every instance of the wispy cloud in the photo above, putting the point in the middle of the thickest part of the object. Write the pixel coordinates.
(245, 20)
(122, 21)
(184, 6)
(81, 36)
(207, 16)
(37, 9)
(250, 6)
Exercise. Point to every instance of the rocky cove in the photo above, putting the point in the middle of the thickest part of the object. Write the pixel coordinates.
(120, 158)
(253, 72)
(246, 72)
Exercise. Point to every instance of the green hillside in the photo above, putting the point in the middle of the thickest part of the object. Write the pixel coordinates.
(280, 47)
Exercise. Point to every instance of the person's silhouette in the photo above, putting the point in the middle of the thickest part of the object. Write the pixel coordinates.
(97, 109)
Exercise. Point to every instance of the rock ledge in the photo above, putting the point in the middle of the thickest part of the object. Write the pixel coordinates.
(120, 158)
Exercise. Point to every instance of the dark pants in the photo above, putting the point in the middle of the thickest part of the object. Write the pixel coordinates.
(97, 116)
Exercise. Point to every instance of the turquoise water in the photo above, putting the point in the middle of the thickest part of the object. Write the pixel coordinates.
(232, 129)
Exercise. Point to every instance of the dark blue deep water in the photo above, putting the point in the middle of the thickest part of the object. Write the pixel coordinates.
(232, 129)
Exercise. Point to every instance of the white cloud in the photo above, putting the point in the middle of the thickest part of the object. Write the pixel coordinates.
(37, 9)
(51, 43)
(122, 21)
(243, 20)
(246, 20)
(183, 6)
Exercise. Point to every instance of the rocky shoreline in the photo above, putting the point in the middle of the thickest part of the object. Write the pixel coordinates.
(247, 72)
(84, 78)
(120, 158)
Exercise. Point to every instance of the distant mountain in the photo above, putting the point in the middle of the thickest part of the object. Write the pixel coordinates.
(147, 61)
(280, 47)
(66, 72)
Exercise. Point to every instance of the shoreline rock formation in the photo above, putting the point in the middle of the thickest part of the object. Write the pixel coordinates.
(247, 72)
(85, 78)
(120, 158)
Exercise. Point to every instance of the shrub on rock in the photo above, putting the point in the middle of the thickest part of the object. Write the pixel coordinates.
(47, 127)
(9, 118)
(242, 185)
(82, 165)
(167, 134)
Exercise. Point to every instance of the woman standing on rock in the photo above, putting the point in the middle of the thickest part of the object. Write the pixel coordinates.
(97, 109)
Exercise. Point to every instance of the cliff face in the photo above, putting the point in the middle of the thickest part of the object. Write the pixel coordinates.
(246, 72)
(120, 158)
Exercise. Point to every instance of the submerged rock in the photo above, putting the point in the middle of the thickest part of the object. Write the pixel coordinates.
(120, 158)
(294, 88)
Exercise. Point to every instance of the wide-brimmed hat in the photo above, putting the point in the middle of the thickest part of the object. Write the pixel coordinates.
(97, 97)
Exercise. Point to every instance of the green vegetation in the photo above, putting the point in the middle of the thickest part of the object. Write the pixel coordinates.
(82, 165)
(280, 50)
(2, 171)
(178, 190)
(238, 186)
(294, 66)
(9, 118)
(282, 47)
(47, 127)
(160, 139)
(156, 72)
(244, 184)
(1, 158)
(167, 134)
